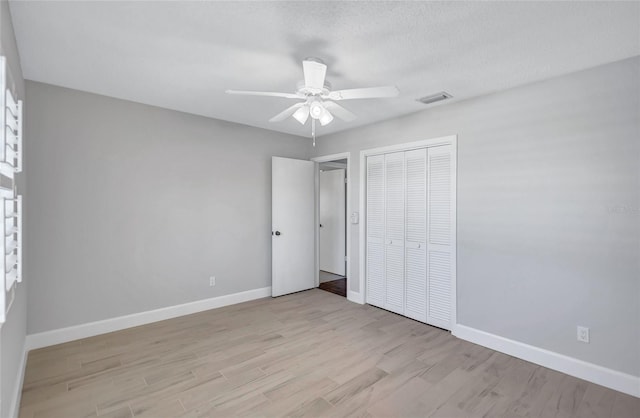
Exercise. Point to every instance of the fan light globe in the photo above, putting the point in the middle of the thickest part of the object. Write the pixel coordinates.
(316, 110)
(302, 114)
(326, 118)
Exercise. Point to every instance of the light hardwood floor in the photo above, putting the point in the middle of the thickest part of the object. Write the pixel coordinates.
(307, 354)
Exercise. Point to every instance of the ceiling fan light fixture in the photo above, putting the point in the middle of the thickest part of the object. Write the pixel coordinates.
(302, 114)
(326, 117)
(319, 97)
(316, 109)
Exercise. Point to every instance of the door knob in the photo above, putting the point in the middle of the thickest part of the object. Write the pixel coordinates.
(278, 233)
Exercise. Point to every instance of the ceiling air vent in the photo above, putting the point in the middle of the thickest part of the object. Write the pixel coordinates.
(443, 95)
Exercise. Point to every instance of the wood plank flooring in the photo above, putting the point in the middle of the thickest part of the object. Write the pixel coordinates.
(307, 354)
(325, 276)
(337, 287)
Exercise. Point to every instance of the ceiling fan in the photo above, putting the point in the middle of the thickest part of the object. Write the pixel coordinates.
(318, 100)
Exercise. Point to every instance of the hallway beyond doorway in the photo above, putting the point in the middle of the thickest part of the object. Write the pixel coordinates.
(333, 283)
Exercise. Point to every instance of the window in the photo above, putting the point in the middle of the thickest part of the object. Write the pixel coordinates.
(10, 200)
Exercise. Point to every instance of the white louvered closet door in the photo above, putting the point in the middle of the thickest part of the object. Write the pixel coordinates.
(416, 235)
(394, 170)
(375, 231)
(440, 251)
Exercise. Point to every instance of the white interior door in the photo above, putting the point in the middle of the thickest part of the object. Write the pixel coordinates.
(375, 292)
(440, 235)
(411, 233)
(332, 221)
(394, 183)
(293, 225)
(416, 235)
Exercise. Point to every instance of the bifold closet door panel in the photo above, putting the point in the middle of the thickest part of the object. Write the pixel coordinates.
(394, 169)
(375, 287)
(440, 239)
(416, 235)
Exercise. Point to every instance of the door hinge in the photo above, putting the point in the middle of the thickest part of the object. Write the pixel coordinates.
(346, 258)
(346, 180)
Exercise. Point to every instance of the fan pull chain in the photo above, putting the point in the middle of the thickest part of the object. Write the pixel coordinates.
(313, 131)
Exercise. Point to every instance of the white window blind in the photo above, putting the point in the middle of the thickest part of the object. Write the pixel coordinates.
(10, 201)
(11, 122)
(12, 233)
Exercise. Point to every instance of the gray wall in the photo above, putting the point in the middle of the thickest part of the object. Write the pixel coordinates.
(548, 209)
(133, 207)
(13, 331)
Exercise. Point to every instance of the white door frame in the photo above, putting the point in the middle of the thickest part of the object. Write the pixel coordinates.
(445, 140)
(354, 297)
(333, 230)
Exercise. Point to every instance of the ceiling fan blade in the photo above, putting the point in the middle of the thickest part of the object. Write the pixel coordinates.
(364, 93)
(314, 74)
(286, 113)
(339, 111)
(263, 93)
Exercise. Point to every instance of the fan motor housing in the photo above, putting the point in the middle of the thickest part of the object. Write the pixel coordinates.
(305, 91)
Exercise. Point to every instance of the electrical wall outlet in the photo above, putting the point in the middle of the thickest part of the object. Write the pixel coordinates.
(583, 334)
(212, 281)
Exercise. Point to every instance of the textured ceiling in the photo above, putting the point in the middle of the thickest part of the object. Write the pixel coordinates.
(183, 55)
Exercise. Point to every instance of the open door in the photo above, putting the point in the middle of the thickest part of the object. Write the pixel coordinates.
(293, 225)
(332, 221)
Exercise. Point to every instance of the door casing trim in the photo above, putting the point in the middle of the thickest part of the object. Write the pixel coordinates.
(324, 159)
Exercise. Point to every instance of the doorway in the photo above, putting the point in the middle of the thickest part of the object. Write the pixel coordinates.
(332, 224)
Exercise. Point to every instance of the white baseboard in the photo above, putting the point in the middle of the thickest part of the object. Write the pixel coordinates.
(355, 297)
(600, 375)
(14, 408)
(76, 332)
